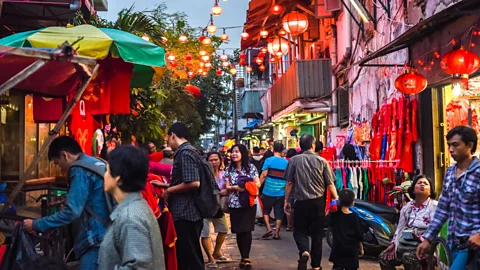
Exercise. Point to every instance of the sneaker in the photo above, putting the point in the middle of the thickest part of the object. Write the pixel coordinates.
(302, 263)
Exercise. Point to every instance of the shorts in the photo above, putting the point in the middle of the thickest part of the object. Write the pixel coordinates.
(219, 224)
(275, 203)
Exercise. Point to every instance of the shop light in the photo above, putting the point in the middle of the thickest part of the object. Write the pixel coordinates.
(362, 11)
(216, 10)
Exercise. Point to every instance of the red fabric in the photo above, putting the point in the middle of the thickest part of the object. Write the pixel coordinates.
(169, 237)
(120, 86)
(401, 126)
(407, 155)
(160, 169)
(414, 121)
(3, 248)
(156, 157)
(151, 198)
(47, 110)
(328, 153)
(393, 134)
(83, 128)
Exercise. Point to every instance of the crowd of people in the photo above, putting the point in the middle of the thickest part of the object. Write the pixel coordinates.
(291, 184)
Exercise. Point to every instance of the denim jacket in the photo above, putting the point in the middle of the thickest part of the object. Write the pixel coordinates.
(86, 188)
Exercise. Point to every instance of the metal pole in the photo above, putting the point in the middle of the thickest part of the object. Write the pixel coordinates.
(235, 120)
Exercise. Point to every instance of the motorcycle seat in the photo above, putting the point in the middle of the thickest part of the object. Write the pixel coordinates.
(377, 208)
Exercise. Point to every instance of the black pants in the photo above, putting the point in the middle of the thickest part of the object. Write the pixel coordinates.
(309, 220)
(189, 253)
(244, 243)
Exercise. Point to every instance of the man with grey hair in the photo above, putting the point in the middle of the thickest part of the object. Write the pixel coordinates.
(309, 175)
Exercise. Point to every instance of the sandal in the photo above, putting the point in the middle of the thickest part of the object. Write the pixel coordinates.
(222, 259)
(242, 264)
(289, 229)
(276, 237)
(211, 265)
(267, 235)
(248, 263)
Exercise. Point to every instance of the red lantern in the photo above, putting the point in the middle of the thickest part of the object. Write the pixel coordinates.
(461, 61)
(295, 23)
(243, 56)
(244, 35)
(272, 60)
(195, 91)
(188, 57)
(276, 9)
(249, 69)
(262, 68)
(201, 38)
(258, 60)
(261, 54)
(219, 72)
(173, 64)
(411, 83)
(242, 62)
(264, 49)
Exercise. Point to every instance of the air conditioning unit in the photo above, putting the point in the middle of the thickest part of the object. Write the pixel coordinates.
(333, 5)
(100, 5)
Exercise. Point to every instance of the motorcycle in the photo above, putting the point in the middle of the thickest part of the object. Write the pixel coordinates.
(379, 220)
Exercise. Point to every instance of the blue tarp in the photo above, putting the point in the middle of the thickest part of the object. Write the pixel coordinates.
(252, 124)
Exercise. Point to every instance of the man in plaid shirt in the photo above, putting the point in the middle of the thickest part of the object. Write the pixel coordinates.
(181, 201)
(460, 199)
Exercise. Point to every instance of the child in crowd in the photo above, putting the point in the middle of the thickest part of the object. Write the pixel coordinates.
(347, 234)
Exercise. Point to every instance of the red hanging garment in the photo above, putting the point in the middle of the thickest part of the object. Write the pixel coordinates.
(393, 134)
(47, 110)
(401, 127)
(376, 149)
(120, 86)
(407, 155)
(83, 126)
(414, 120)
(169, 237)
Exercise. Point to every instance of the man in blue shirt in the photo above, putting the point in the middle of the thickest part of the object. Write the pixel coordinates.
(273, 194)
(86, 192)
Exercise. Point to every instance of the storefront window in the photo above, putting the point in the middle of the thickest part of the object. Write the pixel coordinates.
(10, 137)
(44, 164)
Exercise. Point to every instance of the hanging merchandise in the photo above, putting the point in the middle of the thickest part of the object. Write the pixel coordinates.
(457, 114)
(83, 126)
(393, 131)
(47, 110)
(406, 162)
(401, 126)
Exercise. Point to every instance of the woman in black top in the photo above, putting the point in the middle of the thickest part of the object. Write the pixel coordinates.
(347, 234)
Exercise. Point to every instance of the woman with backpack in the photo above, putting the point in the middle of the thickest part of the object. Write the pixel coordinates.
(241, 177)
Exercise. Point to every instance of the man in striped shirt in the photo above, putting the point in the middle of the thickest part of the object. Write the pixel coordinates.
(460, 199)
(273, 194)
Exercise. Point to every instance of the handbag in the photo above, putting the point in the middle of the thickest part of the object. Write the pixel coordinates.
(224, 204)
(409, 239)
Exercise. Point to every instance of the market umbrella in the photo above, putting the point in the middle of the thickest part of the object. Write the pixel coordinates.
(99, 43)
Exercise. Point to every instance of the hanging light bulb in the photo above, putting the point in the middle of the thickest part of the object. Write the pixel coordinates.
(182, 39)
(207, 41)
(216, 10)
(272, 60)
(233, 71)
(258, 60)
(190, 73)
(225, 64)
(264, 33)
(200, 70)
(201, 64)
(205, 74)
(188, 57)
(282, 32)
(276, 9)
(219, 72)
(212, 29)
(264, 50)
(208, 65)
(223, 57)
(202, 52)
(249, 69)
(171, 58)
(262, 68)
(224, 36)
(205, 58)
(244, 35)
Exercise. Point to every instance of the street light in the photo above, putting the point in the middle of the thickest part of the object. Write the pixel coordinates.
(233, 71)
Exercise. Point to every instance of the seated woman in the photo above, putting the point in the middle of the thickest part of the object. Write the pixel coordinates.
(133, 239)
(415, 217)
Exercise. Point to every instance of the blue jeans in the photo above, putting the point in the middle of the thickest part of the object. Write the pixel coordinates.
(459, 258)
(89, 259)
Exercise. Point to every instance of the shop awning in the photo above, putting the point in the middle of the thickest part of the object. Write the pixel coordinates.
(253, 124)
(422, 30)
(54, 79)
(259, 18)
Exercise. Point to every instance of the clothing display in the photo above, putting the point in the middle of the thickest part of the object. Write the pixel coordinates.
(83, 126)
(47, 110)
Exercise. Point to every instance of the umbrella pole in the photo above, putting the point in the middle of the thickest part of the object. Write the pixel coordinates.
(51, 136)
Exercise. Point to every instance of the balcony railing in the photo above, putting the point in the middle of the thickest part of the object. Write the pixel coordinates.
(303, 79)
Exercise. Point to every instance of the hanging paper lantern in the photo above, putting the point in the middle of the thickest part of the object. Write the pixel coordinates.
(207, 41)
(262, 68)
(264, 50)
(259, 60)
(282, 32)
(202, 52)
(242, 56)
(201, 38)
(208, 65)
(242, 62)
(261, 55)
(295, 23)
(278, 46)
(188, 57)
(225, 64)
(223, 57)
(249, 69)
(205, 58)
(171, 58)
(216, 10)
(411, 83)
(218, 72)
(276, 9)
(244, 35)
(264, 33)
(182, 39)
(460, 64)
(195, 91)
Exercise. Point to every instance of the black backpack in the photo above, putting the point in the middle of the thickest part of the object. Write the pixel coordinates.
(207, 198)
(98, 168)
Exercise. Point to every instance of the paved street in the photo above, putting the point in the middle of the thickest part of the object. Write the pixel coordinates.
(278, 254)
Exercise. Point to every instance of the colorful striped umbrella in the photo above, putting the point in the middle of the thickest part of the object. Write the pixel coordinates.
(99, 43)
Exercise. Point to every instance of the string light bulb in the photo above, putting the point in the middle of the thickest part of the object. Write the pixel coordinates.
(264, 33)
(282, 32)
(208, 65)
(207, 41)
(233, 71)
(202, 52)
(182, 39)
(276, 9)
(216, 10)
(171, 58)
(225, 64)
(223, 57)
(249, 69)
(262, 68)
(244, 35)
(212, 29)
(205, 58)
